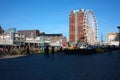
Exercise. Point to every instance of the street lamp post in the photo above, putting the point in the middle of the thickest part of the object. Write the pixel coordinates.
(42, 39)
(4, 41)
(119, 37)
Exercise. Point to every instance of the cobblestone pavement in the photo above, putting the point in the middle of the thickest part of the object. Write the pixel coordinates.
(61, 67)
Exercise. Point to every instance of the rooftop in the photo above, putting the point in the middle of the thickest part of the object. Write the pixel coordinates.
(76, 11)
(50, 34)
(113, 33)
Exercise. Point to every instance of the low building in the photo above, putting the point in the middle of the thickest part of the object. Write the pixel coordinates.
(37, 41)
(64, 42)
(13, 39)
(6, 39)
(32, 38)
(18, 39)
(113, 39)
(10, 30)
(56, 40)
(29, 33)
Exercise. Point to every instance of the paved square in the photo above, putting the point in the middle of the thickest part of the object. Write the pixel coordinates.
(61, 67)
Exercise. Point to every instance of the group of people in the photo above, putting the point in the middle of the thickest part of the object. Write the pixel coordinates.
(18, 50)
(28, 50)
(49, 49)
(52, 50)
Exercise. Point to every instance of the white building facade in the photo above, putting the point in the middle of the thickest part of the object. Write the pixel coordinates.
(6, 39)
(112, 39)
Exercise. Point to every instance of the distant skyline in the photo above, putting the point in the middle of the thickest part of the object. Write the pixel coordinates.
(52, 16)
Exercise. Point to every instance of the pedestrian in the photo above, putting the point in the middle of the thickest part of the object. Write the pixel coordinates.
(27, 50)
(53, 51)
(47, 50)
(109, 49)
(60, 49)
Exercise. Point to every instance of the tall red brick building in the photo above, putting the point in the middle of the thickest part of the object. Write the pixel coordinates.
(1, 30)
(82, 27)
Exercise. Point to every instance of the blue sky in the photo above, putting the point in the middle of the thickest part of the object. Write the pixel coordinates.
(52, 16)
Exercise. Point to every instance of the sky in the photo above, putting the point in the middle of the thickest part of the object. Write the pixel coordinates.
(52, 16)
